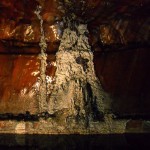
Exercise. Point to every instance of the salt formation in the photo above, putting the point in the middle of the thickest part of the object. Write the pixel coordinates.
(76, 92)
(43, 58)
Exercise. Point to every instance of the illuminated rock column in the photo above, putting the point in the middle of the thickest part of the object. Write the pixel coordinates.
(77, 89)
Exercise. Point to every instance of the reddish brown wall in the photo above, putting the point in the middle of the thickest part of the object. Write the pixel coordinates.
(18, 79)
(125, 75)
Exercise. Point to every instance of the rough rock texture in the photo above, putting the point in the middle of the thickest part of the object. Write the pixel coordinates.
(52, 126)
(119, 38)
(43, 59)
(20, 81)
(18, 95)
(76, 90)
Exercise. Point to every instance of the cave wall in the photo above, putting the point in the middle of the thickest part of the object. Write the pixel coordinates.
(125, 75)
(118, 36)
(19, 80)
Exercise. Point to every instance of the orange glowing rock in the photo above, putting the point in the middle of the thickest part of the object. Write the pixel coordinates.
(19, 82)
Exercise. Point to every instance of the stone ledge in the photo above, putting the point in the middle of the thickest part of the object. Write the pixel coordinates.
(51, 126)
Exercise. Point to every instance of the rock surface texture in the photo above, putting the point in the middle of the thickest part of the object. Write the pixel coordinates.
(51, 53)
(76, 87)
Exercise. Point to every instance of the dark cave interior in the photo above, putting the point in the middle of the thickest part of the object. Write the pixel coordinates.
(118, 35)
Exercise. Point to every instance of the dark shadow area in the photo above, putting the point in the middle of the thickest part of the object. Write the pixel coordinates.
(26, 117)
(75, 142)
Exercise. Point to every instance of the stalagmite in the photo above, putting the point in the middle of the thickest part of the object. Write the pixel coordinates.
(77, 90)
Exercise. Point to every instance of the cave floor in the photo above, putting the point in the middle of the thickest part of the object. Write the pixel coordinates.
(75, 142)
(52, 126)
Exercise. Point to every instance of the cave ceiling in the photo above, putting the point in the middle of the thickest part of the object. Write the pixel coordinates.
(111, 23)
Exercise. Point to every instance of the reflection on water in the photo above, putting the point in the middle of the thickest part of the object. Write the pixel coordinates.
(75, 142)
